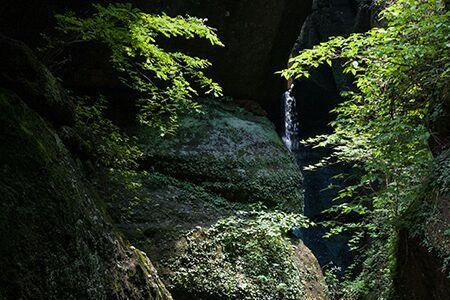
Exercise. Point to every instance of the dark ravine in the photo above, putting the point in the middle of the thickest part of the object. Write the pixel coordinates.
(71, 230)
(315, 97)
(257, 35)
(219, 162)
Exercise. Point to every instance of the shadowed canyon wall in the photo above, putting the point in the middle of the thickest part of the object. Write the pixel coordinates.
(315, 98)
(257, 35)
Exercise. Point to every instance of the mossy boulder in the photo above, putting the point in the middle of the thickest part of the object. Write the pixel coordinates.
(55, 240)
(195, 209)
(155, 211)
(247, 256)
(230, 152)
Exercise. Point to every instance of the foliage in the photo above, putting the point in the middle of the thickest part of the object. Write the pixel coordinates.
(166, 81)
(384, 126)
(103, 142)
(247, 256)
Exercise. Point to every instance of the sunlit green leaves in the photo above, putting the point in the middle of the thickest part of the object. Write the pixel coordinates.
(104, 144)
(166, 80)
(244, 256)
(383, 127)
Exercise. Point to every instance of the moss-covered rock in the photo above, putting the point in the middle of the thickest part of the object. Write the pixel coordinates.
(155, 211)
(247, 257)
(193, 210)
(227, 151)
(23, 73)
(423, 249)
(55, 242)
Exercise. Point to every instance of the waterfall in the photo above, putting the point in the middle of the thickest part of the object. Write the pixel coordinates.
(290, 132)
(320, 185)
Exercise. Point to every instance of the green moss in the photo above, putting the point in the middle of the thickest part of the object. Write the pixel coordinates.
(55, 242)
(155, 210)
(230, 152)
(246, 257)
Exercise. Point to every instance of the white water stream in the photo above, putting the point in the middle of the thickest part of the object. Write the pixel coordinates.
(290, 132)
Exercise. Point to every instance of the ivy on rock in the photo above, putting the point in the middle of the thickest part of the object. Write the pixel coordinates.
(246, 256)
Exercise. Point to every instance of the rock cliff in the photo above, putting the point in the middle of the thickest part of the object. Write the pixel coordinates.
(56, 240)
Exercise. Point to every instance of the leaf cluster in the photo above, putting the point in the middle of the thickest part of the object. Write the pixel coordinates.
(384, 126)
(166, 81)
(246, 256)
(100, 140)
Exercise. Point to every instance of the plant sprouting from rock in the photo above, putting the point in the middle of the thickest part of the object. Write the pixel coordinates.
(247, 256)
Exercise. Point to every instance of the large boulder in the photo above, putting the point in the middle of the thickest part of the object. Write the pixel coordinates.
(220, 160)
(230, 152)
(190, 210)
(55, 240)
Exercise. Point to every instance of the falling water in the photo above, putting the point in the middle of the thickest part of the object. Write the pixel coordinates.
(290, 133)
(319, 185)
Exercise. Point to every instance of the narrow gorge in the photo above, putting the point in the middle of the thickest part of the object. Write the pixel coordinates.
(235, 150)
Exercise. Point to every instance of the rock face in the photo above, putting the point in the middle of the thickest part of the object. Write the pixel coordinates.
(55, 240)
(22, 72)
(218, 159)
(315, 98)
(230, 152)
(184, 211)
(423, 251)
(257, 34)
(317, 95)
(160, 211)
